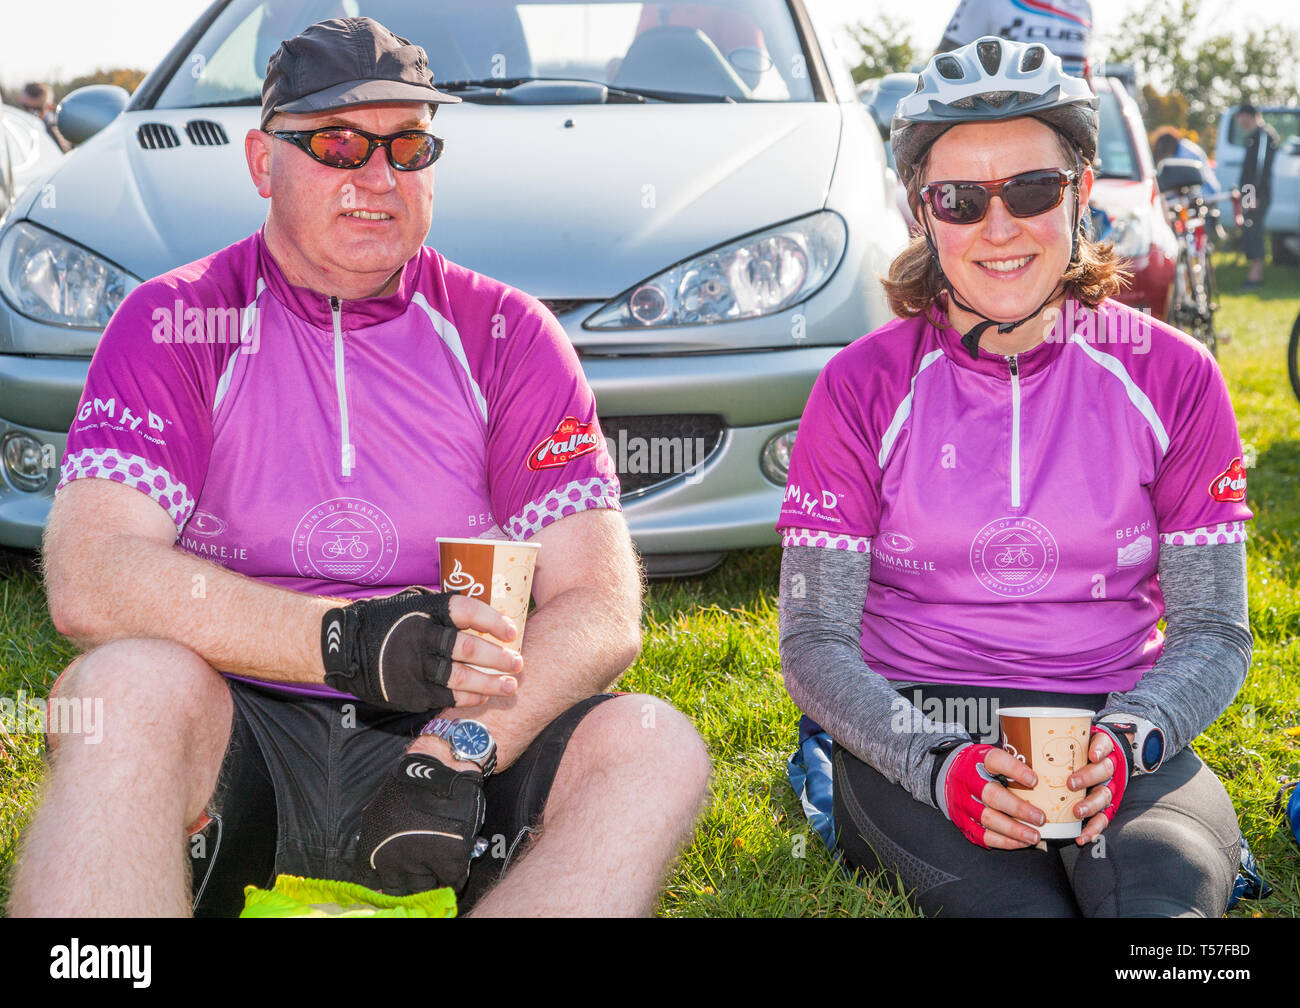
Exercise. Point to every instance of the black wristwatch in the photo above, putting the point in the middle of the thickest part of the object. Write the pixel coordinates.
(469, 740)
(1148, 745)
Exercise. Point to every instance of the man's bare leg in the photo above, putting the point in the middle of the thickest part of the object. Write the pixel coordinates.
(633, 779)
(108, 839)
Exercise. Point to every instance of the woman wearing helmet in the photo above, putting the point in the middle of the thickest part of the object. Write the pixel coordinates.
(993, 501)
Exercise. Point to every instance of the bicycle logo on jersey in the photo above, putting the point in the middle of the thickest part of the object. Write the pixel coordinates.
(345, 539)
(1014, 556)
(350, 546)
(1018, 557)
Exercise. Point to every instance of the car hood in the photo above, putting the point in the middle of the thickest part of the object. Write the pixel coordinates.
(564, 202)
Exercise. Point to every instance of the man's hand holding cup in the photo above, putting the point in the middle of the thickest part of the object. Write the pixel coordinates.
(409, 651)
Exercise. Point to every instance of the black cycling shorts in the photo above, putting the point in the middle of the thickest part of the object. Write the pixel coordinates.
(1172, 849)
(298, 771)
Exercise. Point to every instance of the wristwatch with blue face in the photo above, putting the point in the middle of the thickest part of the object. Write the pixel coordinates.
(469, 740)
(1148, 740)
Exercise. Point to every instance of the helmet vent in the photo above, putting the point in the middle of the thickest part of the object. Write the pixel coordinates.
(990, 56)
(1032, 59)
(949, 68)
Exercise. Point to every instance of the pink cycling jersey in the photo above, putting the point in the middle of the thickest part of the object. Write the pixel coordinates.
(1014, 507)
(321, 445)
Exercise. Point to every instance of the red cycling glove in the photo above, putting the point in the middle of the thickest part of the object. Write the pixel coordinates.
(1121, 761)
(960, 780)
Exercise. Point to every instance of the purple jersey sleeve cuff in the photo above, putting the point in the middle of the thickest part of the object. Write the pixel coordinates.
(580, 495)
(827, 540)
(1212, 535)
(133, 471)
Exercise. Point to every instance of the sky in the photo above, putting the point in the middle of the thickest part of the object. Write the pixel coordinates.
(60, 39)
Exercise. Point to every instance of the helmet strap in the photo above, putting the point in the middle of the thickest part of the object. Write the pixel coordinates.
(971, 338)
(1078, 226)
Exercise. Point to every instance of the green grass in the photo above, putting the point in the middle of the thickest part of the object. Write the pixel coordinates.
(711, 650)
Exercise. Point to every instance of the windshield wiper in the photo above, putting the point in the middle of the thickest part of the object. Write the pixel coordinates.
(231, 102)
(484, 82)
(639, 95)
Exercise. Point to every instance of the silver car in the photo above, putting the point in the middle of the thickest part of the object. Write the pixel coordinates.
(693, 189)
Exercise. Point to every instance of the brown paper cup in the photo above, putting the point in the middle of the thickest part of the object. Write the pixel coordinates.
(496, 571)
(1053, 742)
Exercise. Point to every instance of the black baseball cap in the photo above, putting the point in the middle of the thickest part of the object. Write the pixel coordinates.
(346, 61)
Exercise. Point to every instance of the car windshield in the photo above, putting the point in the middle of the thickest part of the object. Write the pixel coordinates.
(1114, 144)
(728, 50)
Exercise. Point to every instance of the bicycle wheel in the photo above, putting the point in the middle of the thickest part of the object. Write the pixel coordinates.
(1178, 314)
(1211, 302)
(1293, 358)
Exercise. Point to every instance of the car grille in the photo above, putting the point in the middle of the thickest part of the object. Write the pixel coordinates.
(153, 136)
(206, 133)
(653, 450)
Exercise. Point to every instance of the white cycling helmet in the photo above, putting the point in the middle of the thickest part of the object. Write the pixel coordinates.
(992, 80)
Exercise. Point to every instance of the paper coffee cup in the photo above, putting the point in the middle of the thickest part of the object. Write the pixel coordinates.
(496, 571)
(1053, 742)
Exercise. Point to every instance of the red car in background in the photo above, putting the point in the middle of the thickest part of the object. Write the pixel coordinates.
(1126, 205)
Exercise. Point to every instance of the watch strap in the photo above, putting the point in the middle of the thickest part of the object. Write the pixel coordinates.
(1142, 731)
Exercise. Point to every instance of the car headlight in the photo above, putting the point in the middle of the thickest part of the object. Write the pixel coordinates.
(760, 274)
(1131, 235)
(50, 279)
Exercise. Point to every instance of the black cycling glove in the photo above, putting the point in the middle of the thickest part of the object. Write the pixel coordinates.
(418, 832)
(393, 652)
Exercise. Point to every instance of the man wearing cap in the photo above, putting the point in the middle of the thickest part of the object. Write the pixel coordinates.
(263, 677)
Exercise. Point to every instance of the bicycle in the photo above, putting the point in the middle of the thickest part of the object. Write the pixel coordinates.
(1293, 358)
(1194, 298)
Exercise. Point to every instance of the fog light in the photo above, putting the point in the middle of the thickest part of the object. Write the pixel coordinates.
(25, 462)
(775, 461)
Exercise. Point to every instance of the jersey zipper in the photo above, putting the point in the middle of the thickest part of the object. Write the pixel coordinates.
(1015, 430)
(345, 440)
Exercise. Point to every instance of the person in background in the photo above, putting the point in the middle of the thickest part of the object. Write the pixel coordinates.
(1170, 142)
(1064, 26)
(1261, 143)
(38, 99)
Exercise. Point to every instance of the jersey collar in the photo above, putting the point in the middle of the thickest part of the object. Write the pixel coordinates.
(314, 307)
(1029, 362)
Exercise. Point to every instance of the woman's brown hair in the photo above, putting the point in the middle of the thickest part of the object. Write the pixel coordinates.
(915, 280)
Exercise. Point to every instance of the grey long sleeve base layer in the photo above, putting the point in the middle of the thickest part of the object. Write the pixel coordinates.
(1207, 652)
